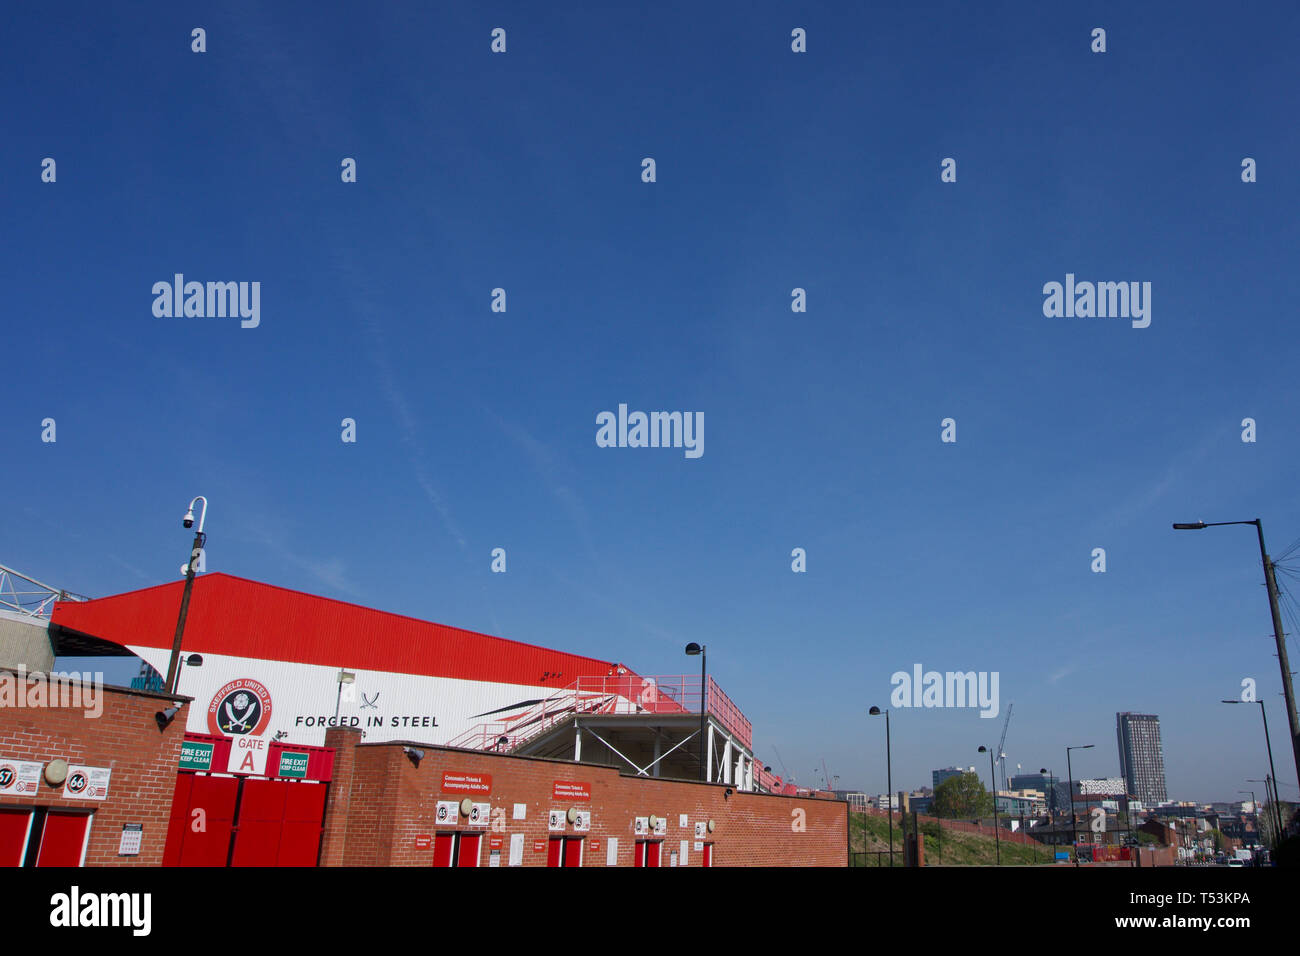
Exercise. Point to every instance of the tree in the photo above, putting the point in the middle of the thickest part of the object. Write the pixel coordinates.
(962, 796)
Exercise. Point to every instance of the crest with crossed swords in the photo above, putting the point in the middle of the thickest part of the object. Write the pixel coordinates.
(247, 713)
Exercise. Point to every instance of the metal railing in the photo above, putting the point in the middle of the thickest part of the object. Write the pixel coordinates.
(28, 596)
(623, 694)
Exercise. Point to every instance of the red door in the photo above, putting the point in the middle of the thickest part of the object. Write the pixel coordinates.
(15, 827)
(63, 841)
(468, 849)
(573, 851)
(555, 852)
(653, 854)
(304, 811)
(708, 855)
(203, 815)
(279, 823)
(444, 849)
(257, 835)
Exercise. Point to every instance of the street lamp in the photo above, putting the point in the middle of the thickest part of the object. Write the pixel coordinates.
(692, 649)
(1271, 768)
(889, 779)
(194, 660)
(993, 782)
(1270, 580)
(1074, 826)
(1254, 811)
(1270, 793)
(345, 677)
(173, 664)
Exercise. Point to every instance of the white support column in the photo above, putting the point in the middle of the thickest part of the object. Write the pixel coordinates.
(726, 761)
(708, 766)
(577, 742)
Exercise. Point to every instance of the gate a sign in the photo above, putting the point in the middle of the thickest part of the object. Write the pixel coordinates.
(248, 755)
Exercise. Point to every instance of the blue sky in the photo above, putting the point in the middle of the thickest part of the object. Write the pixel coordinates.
(775, 170)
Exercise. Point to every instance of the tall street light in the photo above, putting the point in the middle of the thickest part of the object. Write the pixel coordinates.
(173, 665)
(692, 649)
(1270, 794)
(889, 779)
(1254, 812)
(1074, 826)
(1051, 792)
(993, 782)
(1267, 743)
(1270, 579)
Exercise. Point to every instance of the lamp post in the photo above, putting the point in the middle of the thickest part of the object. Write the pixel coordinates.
(1074, 826)
(1051, 792)
(692, 649)
(889, 779)
(345, 677)
(1270, 794)
(173, 664)
(1270, 580)
(194, 660)
(993, 783)
(1254, 810)
(1272, 769)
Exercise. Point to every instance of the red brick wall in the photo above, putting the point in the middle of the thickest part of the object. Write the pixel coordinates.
(389, 802)
(124, 738)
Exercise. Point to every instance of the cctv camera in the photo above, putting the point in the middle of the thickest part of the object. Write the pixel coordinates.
(189, 519)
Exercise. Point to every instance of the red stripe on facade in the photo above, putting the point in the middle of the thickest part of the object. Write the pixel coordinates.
(242, 618)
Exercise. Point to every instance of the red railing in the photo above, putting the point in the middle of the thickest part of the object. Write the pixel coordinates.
(625, 694)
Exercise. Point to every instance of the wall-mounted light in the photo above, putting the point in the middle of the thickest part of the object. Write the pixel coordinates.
(572, 815)
(711, 826)
(165, 717)
(466, 807)
(415, 754)
(56, 771)
(653, 821)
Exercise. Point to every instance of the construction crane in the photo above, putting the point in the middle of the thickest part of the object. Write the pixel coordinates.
(1001, 743)
(787, 778)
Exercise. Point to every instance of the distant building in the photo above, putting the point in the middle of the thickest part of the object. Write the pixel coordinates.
(1024, 803)
(149, 679)
(947, 773)
(1141, 757)
(1051, 786)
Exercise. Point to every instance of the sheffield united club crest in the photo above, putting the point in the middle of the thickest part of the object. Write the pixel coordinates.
(240, 707)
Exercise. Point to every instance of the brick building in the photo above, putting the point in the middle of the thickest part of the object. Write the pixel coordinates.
(385, 802)
(358, 804)
(113, 753)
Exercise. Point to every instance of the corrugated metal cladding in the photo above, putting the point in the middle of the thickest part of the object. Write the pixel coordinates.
(243, 618)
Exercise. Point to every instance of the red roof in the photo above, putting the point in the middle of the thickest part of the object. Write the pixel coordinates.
(242, 618)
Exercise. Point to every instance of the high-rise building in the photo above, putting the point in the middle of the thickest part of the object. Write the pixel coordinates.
(939, 776)
(1141, 758)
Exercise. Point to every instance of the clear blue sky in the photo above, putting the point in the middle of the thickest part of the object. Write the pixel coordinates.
(476, 429)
